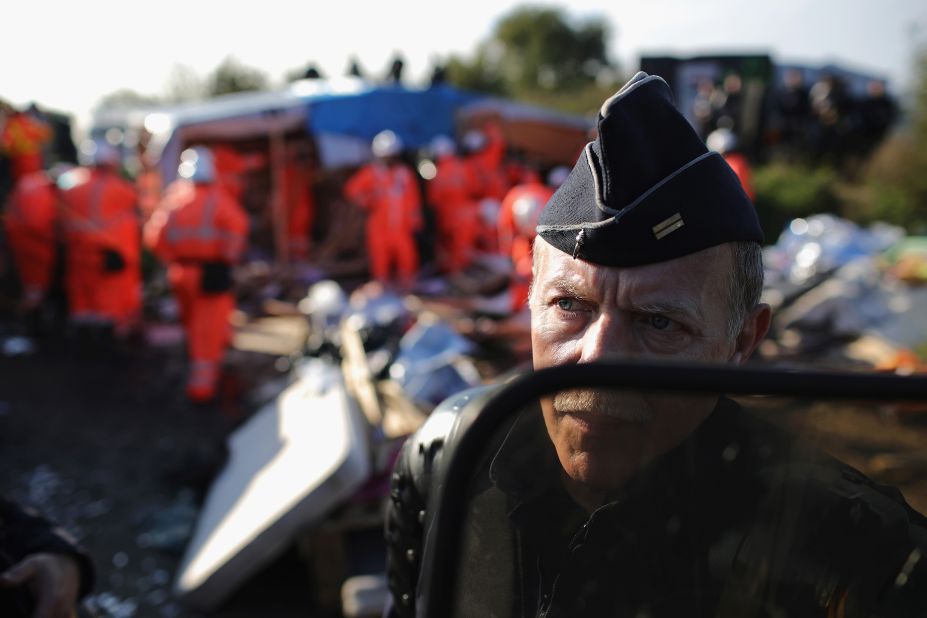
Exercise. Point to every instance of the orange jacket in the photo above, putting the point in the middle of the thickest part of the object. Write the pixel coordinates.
(31, 219)
(99, 212)
(300, 204)
(389, 195)
(450, 192)
(741, 167)
(32, 207)
(197, 223)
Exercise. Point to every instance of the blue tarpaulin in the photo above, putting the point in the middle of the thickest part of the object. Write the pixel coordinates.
(416, 116)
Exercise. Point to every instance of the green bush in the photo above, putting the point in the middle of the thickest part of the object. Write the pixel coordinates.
(785, 191)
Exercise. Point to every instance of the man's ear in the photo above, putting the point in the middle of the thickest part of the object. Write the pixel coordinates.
(754, 329)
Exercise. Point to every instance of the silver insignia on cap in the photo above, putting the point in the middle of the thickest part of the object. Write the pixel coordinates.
(580, 239)
(668, 226)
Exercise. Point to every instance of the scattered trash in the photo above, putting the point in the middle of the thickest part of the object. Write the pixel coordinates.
(17, 346)
(431, 364)
(169, 529)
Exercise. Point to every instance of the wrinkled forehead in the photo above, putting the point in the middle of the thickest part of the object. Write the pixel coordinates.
(695, 275)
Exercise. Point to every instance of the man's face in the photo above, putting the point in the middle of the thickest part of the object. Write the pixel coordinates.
(583, 312)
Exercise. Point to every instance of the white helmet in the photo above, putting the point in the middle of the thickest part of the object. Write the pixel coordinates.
(386, 144)
(557, 176)
(721, 140)
(99, 152)
(197, 164)
(526, 210)
(474, 140)
(443, 146)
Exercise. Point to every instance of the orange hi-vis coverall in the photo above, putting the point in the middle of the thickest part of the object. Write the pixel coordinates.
(300, 204)
(489, 181)
(741, 167)
(30, 222)
(518, 242)
(22, 139)
(198, 230)
(99, 217)
(394, 213)
(450, 194)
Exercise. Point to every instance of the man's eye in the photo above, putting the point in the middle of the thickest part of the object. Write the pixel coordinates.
(566, 304)
(660, 322)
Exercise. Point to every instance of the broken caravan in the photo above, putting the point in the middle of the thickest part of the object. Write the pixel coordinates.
(335, 120)
(882, 575)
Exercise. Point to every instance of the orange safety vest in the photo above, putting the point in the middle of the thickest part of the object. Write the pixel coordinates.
(197, 223)
(99, 213)
(390, 197)
(450, 193)
(30, 222)
(22, 140)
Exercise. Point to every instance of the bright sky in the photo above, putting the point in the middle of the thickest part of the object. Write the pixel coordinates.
(67, 54)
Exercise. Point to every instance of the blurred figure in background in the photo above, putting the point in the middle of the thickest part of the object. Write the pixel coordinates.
(99, 217)
(387, 191)
(724, 142)
(449, 194)
(22, 138)
(31, 224)
(485, 158)
(299, 198)
(794, 109)
(200, 231)
(517, 222)
(829, 105)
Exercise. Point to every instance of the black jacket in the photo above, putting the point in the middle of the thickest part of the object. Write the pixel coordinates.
(741, 519)
(24, 532)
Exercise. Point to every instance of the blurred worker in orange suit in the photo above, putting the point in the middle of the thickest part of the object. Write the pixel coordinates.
(450, 195)
(724, 141)
(99, 217)
(489, 181)
(387, 190)
(517, 221)
(22, 138)
(229, 168)
(148, 181)
(300, 204)
(200, 231)
(31, 230)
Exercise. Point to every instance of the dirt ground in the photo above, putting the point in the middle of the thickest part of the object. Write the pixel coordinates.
(104, 442)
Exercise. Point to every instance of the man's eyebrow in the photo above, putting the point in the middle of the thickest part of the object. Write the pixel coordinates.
(671, 307)
(567, 287)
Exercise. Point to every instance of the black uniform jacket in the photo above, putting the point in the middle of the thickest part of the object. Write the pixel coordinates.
(739, 520)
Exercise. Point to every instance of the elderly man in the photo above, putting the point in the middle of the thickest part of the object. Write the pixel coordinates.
(608, 504)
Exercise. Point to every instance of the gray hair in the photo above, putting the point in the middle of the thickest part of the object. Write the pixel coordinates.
(745, 285)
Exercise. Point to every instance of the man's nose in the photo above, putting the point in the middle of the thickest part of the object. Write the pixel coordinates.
(606, 338)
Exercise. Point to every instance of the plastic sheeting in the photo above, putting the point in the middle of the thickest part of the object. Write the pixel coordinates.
(822, 243)
(416, 116)
(432, 365)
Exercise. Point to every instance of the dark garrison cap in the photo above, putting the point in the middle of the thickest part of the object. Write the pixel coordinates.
(647, 189)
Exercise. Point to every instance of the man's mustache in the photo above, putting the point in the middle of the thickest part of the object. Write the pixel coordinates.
(613, 404)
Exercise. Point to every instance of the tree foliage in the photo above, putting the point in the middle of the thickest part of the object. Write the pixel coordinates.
(233, 76)
(538, 54)
(896, 178)
(183, 84)
(127, 98)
